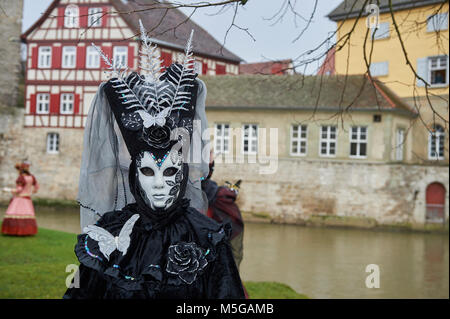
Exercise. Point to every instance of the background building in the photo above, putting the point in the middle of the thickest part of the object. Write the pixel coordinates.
(423, 26)
(331, 161)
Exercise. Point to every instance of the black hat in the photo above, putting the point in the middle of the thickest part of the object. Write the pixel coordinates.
(144, 130)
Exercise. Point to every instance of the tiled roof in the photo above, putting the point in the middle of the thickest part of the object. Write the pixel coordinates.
(173, 30)
(301, 92)
(352, 8)
(269, 67)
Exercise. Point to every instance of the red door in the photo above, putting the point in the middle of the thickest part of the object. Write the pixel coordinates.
(435, 198)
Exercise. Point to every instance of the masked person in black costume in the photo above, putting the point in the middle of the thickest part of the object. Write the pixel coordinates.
(153, 242)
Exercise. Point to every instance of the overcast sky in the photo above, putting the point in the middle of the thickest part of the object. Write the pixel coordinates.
(272, 42)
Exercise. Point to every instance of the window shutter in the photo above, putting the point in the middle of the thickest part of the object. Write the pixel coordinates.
(34, 57)
(422, 71)
(56, 57)
(130, 57)
(104, 17)
(83, 17)
(54, 104)
(33, 102)
(76, 106)
(107, 50)
(167, 59)
(80, 57)
(60, 18)
(205, 68)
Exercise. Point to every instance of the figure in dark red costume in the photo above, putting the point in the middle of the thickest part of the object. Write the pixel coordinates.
(223, 209)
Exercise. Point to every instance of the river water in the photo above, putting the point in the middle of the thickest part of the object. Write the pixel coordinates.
(327, 262)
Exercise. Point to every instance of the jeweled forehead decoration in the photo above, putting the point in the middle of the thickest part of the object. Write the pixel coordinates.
(152, 99)
(159, 161)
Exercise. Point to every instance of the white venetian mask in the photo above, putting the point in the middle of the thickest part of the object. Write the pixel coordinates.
(160, 181)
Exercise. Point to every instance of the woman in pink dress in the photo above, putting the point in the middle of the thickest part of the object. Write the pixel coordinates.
(20, 218)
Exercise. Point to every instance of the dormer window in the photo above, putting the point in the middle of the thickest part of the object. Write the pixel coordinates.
(71, 16)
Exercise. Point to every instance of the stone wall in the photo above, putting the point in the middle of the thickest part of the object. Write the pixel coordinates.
(301, 189)
(57, 174)
(10, 31)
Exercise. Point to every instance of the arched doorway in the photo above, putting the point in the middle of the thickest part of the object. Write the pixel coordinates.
(435, 201)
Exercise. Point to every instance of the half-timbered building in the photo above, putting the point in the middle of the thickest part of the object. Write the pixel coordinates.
(63, 69)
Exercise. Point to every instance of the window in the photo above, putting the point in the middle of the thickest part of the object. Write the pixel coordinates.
(67, 102)
(400, 140)
(436, 140)
(250, 139)
(42, 103)
(52, 143)
(377, 118)
(71, 16)
(92, 58)
(437, 22)
(438, 69)
(45, 57)
(95, 17)
(221, 138)
(379, 68)
(69, 57)
(120, 56)
(358, 142)
(382, 32)
(327, 140)
(298, 139)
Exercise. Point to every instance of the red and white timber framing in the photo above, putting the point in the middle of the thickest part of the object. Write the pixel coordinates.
(79, 80)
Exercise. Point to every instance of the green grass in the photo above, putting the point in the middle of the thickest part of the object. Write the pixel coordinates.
(55, 202)
(35, 267)
(271, 290)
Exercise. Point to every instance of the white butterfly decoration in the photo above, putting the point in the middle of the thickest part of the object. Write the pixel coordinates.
(150, 120)
(148, 97)
(107, 242)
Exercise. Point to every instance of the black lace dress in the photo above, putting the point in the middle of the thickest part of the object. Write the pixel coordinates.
(185, 255)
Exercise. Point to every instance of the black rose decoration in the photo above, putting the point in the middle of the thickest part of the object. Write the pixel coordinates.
(186, 260)
(157, 136)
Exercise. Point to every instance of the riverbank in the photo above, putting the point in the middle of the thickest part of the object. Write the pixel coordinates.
(35, 267)
(333, 221)
(327, 221)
